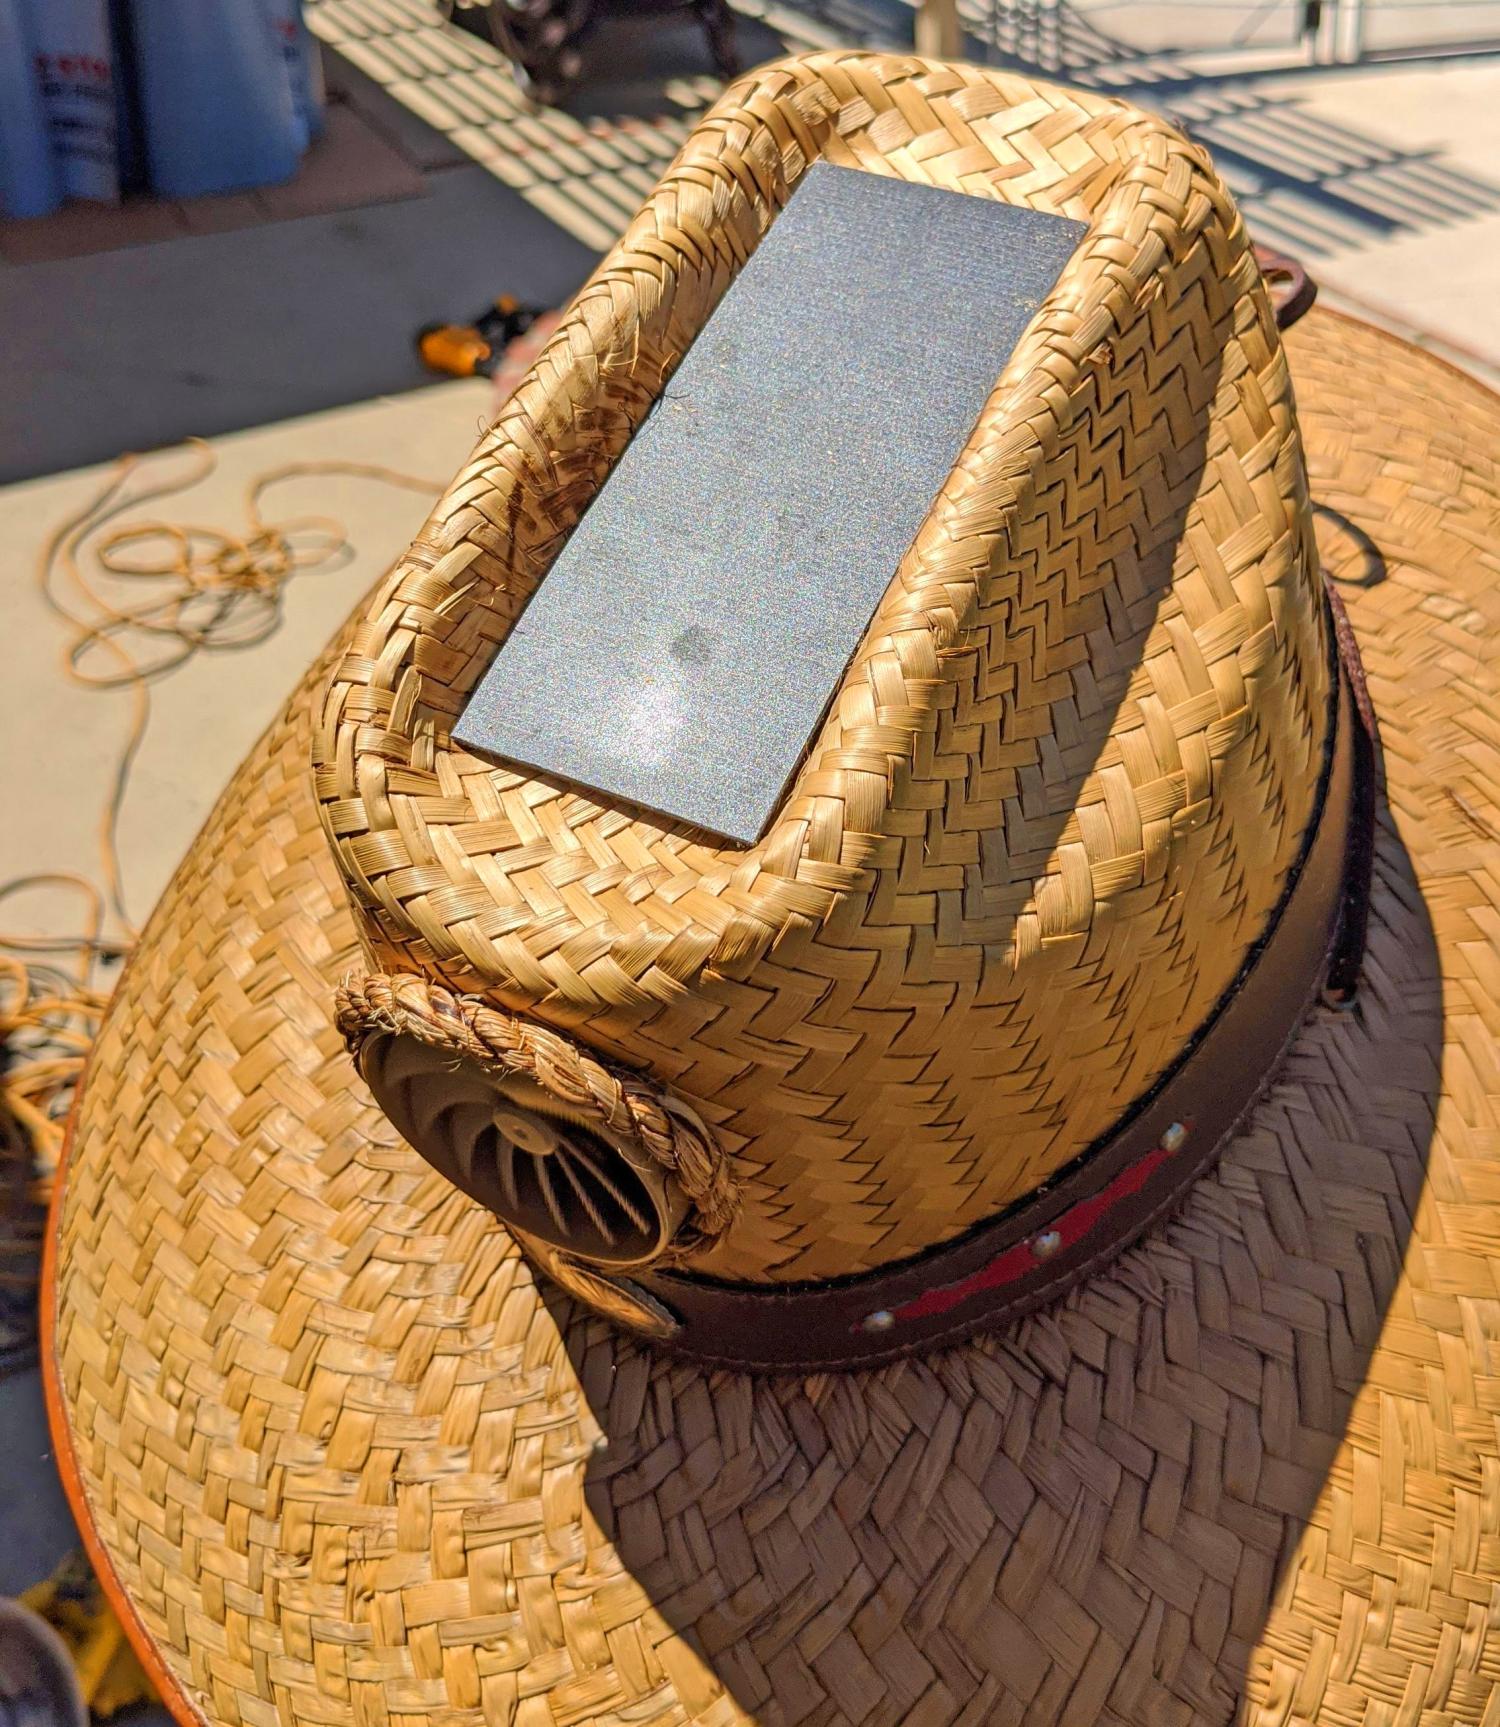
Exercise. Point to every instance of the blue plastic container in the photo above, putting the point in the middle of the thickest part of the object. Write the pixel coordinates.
(216, 100)
(74, 60)
(299, 54)
(29, 183)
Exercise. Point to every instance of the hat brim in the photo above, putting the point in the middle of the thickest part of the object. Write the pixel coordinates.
(340, 1459)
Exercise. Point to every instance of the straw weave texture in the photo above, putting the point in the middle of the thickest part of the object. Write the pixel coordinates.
(353, 1469)
(1057, 794)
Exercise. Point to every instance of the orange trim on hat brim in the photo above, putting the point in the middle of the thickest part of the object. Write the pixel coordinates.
(146, 1652)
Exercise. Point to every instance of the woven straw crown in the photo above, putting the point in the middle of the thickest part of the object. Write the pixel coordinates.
(1053, 802)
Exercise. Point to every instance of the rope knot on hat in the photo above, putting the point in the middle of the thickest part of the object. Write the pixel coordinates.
(593, 1160)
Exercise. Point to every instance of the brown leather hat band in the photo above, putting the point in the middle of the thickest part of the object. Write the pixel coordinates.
(1115, 1190)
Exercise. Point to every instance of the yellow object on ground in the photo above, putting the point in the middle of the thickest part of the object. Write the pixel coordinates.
(73, 1604)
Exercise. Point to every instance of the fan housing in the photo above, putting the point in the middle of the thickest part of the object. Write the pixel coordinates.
(542, 1166)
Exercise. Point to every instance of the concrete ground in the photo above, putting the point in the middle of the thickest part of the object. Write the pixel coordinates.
(199, 319)
(1410, 224)
(206, 714)
(1386, 179)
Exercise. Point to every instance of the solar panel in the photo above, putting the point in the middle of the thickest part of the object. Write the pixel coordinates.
(682, 649)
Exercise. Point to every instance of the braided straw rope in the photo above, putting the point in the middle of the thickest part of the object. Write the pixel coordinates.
(665, 1131)
(351, 1466)
(1053, 802)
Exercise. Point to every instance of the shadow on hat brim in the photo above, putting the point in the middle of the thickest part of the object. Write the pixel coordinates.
(340, 1459)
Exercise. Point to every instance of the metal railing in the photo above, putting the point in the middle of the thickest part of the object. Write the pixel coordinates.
(1306, 32)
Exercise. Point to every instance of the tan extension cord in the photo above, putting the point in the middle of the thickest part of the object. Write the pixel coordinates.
(209, 591)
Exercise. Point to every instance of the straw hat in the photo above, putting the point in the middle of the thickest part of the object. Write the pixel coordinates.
(1141, 1295)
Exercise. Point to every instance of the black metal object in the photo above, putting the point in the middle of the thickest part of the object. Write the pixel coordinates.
(476, 350)
(38, 1687)
(691, 632)
(542, 38)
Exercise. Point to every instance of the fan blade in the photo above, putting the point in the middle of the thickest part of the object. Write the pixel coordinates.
(585, 1198)
(641, 1219)
(544, 1181)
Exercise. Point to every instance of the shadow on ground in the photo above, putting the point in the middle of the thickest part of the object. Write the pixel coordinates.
(628, 61)
(131, 349)
(1305, 185)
